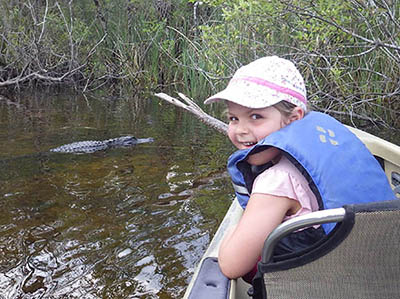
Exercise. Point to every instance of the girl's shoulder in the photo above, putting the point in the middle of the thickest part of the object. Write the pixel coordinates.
(284, 179)
(280, 174)
(284, 166)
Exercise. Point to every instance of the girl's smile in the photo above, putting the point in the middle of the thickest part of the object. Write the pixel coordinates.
(247, 126)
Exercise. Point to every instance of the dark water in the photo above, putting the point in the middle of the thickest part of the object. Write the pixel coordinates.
(123, 223)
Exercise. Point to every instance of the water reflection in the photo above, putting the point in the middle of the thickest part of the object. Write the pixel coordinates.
(125, 223)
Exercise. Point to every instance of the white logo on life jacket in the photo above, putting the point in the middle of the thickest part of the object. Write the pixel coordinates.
(327, 135)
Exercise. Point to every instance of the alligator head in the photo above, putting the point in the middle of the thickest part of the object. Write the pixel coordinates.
(122, 141)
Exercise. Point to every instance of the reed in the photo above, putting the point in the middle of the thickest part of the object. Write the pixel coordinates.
(348, 51)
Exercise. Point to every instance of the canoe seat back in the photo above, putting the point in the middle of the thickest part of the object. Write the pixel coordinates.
(360, 258)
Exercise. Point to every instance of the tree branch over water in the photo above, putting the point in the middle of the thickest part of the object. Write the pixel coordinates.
(222, 127)
(193, 108)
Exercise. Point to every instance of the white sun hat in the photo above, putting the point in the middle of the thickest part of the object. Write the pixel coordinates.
(263, 83)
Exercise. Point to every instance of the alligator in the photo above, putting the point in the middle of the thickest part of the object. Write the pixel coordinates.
(91, 146)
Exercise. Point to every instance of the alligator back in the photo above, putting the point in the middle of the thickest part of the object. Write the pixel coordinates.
(83, 147)
(91, 146)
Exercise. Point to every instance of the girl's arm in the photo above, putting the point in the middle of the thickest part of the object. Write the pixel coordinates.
(241, 248)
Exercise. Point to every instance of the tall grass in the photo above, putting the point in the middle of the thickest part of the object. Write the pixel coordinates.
(348, 51)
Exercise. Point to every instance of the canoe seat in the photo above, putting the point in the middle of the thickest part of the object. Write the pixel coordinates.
(360, 258)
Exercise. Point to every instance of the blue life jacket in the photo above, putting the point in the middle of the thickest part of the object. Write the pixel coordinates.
(337, 165)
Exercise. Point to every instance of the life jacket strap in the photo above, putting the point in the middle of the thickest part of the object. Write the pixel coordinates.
(240, 189)
(396, 182)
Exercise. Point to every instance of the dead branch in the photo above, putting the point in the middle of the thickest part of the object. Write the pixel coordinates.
(37, 75)
(222, 127)
(193, 108)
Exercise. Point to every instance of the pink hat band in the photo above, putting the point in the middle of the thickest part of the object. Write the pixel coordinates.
(273, 86)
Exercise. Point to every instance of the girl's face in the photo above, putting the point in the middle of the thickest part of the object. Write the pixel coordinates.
(247, 126)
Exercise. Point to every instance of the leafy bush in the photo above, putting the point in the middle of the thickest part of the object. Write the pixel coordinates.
(348, 51)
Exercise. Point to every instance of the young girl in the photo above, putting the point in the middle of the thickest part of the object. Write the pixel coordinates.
(262, 98)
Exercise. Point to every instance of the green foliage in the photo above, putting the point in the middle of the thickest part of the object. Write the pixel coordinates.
(338, 46)
(127, 42)
(348, 51)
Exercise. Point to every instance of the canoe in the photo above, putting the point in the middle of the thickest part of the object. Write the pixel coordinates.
(208, 282)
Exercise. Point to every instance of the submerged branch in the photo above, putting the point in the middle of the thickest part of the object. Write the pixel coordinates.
(196, 110)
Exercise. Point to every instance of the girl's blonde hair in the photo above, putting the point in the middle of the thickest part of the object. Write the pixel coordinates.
(285, 108)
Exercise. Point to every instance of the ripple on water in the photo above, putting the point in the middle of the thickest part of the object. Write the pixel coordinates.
(124, 223)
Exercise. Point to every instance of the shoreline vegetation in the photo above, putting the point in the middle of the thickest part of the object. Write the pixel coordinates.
(347, 51)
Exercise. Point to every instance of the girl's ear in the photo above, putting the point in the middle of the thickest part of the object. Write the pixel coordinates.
(297, 113)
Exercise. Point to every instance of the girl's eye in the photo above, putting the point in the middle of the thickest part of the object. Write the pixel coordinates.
(232, 118)
(255, 116)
